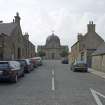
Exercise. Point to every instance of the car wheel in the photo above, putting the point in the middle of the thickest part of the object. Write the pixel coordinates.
(86, 70)
(28, 71)
(74, 70)
(15, 79)
(23, 74)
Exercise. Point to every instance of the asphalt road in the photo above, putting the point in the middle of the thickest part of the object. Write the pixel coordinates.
(53, 84)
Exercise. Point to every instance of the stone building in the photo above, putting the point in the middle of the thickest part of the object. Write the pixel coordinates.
(13, 45)
(86, 45)
(98, 58)
(52, 48)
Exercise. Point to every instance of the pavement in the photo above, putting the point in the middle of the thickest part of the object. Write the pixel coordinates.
(54, 83)
(96, 72)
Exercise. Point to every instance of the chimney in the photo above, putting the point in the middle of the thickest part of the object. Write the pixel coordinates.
(91, 27)
(80, 36)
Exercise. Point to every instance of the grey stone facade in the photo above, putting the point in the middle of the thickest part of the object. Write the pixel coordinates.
(86, 45)
(52, 48)
(13, 44)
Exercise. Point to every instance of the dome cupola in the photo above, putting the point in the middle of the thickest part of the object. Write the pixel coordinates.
(53, 41)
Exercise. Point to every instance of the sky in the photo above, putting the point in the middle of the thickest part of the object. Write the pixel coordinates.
(66, 17)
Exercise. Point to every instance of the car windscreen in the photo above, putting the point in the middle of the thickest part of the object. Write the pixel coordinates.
(4, 65)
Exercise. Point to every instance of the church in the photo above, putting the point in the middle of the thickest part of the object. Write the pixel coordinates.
(13, 44)
(53, 47)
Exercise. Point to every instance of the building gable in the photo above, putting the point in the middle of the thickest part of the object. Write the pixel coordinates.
(91, 40)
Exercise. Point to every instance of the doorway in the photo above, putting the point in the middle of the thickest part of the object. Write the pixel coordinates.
(19, 53)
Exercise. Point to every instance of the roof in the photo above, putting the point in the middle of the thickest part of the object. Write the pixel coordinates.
(94, 33)
(7, 28)
(74, 44)
(53, 38)
(100, 50)
(86, 36)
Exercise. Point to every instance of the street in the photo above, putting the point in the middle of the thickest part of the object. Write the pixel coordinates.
(53, 83)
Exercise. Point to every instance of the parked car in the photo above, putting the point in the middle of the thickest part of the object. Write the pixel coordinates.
(27, 65)
(23, 64)
(38, 61)
(34, 62)
(31, 64)
(64, 61)
(79, 66)
(10, 70)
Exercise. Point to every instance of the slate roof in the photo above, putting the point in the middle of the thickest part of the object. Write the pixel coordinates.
(7, 28)
(100, 50)
(86, 36)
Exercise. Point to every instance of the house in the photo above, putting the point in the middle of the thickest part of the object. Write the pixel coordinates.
(13, 44)
(86, 45)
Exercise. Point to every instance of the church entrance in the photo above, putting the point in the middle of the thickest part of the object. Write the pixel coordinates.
(53, 55)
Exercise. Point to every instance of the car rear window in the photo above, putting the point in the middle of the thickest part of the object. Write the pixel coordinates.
(4, 65)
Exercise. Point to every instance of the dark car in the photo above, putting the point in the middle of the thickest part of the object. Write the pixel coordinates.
(23, 64)
(79, 66)
(64, 61)
(27, 65)
(10, 70)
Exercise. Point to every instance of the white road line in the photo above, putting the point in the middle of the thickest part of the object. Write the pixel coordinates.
(53, 84)
(53, 72)
(96, 97)
(53, 81)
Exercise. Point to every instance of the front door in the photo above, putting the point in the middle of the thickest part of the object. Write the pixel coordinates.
(53, 55)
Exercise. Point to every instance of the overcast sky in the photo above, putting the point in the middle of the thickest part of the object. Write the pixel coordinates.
(65, 17)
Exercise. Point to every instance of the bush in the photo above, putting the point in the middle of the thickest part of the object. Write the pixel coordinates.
(41, 53)
(64, 53)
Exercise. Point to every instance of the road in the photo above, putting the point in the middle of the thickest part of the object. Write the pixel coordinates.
(53, 84)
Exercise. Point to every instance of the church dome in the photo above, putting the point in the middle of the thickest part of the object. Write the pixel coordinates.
(53, 41)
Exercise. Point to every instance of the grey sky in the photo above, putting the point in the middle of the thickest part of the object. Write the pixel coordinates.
(66, 17)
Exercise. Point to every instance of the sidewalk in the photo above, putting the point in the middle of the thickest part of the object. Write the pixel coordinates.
(98, 73)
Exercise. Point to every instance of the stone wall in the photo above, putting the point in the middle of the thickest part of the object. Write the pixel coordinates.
(98, 62)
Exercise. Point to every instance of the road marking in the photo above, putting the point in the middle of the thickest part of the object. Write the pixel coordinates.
(53, 72)
(96, 97)
(53, 84)
(53, 81)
